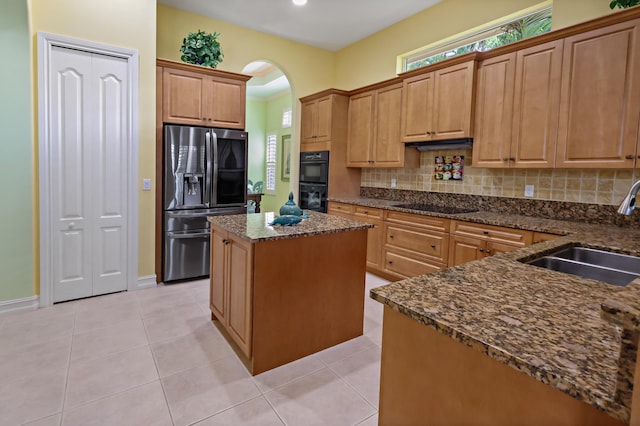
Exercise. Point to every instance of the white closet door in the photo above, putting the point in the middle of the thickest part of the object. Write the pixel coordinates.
(108, 192)
(88, 141)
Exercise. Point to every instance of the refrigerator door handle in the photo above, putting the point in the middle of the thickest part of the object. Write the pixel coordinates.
(207, 181)
(214, 190)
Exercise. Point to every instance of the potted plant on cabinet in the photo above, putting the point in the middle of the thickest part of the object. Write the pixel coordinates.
(201, 48)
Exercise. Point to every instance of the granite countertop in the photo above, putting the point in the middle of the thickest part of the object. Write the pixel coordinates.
(255, 227)
(563, 330)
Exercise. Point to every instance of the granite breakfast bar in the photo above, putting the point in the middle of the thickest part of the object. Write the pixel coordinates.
(279, 293)
(456, 342)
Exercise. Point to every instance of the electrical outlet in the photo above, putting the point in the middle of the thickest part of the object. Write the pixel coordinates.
(528, 190)
(393, 183)
(146, 184)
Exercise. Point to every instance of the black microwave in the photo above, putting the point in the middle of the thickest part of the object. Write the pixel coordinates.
(314, 167)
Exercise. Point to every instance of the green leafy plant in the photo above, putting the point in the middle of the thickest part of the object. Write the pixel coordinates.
(623, 4)
(201, 48)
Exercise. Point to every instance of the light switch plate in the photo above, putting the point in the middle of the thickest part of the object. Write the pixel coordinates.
(393, 183)
(528, 190)
(146, 184)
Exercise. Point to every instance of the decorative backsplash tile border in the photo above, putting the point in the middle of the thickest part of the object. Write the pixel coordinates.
(593, 186)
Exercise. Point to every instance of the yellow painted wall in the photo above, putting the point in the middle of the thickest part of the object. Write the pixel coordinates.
(124, 23)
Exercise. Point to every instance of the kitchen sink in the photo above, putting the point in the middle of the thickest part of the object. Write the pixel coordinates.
(613, 268)
(602, 258)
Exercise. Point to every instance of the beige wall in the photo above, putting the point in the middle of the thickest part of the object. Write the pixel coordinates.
(123, 23)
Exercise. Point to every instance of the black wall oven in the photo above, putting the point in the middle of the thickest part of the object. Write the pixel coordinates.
(314, 180)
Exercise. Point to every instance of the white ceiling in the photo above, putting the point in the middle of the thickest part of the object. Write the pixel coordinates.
(328, 24)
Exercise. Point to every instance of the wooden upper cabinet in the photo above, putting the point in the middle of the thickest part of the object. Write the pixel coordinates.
(536, 106)
(361, 129)
(417, 108)
(453, 101)
(374, 128)
(600, 98)
(388, 148)
(494, 111)
(438, 105)
(199, 96)
(517, 104)
(316, 120)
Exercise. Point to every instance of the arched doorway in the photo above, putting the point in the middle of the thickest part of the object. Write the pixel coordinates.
(269, 122)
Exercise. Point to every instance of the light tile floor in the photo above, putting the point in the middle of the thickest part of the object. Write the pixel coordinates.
(153, 357)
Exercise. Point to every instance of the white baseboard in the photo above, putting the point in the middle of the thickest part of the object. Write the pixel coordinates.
(146, 282)
(24, 304)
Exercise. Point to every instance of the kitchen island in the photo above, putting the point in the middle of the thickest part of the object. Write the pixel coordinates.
(279, 293)
(498, 341)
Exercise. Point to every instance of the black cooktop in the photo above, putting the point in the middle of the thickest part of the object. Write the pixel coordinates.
(434, 208)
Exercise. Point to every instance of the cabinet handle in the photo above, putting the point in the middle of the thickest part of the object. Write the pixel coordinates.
(485, 232)
(481, 250)
(390, 262)
(225, 242)
(629, 157)
(209, 118)
(433, 246)
(512, 159)
(391, 236)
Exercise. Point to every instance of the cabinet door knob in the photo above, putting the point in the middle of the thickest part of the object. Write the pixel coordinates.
(209, 119)
(481, 250)
(390, 262)
(485, 232)
(433, 246)
(391, 236)
(629, 157)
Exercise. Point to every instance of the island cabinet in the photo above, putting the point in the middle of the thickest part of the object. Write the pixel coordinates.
(517, 105)
(374, 235)
(374, 129)
(437, 105)
(600, 99)
(231, 286)
(280, 293)
(415, 244)
(324, 120)
(472, 241)
(196, 95)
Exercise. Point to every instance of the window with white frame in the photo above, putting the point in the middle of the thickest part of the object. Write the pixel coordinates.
(271, 157)
(498, 33)
(287, 118)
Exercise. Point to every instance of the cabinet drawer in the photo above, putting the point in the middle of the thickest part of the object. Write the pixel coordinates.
(369, 212)
(405, 266)
(418, 220)
(431, 244)
(340, 208)
(516, 237)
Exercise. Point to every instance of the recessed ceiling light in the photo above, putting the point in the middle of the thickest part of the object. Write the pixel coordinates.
(299, 2)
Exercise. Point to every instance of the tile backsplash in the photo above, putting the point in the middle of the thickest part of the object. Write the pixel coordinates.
(596, 186)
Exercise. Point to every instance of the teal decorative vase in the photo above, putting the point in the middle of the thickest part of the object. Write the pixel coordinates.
(290, 208)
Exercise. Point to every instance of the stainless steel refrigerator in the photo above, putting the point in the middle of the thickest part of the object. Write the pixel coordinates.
(205, 174)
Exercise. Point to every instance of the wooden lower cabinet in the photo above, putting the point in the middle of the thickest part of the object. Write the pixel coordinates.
(415, 244)
(375, 235)
(279, 300)
(231, 286)
(464, 385)
(472, 241)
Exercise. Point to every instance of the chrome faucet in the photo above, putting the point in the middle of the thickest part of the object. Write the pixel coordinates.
(629, 202)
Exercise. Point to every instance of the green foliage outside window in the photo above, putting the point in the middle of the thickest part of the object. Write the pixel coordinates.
(623, 4)
(532, 25)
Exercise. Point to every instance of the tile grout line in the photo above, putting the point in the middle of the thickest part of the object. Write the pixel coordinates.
(66, 382)
(349, 385)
